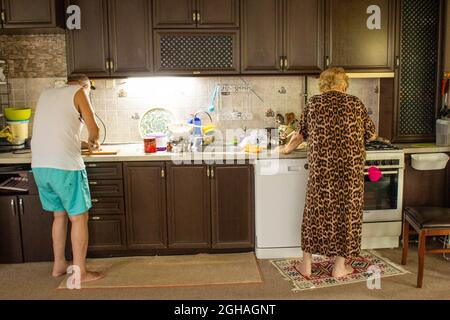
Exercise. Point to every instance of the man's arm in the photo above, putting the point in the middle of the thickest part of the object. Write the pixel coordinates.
(87, 114)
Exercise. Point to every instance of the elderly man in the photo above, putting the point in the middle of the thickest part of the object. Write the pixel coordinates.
(59, 169)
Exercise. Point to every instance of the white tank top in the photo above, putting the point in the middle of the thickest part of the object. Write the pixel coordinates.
(56, 133)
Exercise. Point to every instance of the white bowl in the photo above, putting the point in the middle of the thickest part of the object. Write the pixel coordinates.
(429, 161)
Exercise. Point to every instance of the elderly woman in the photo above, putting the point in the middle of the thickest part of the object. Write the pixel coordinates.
(336, 126)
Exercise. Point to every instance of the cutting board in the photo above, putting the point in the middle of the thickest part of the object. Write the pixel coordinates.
(109, 152)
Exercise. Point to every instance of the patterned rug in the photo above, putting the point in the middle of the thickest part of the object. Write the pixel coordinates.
(368, 265)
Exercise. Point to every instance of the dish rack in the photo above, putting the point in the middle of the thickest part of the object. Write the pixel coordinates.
(234, 102)
(5, 90)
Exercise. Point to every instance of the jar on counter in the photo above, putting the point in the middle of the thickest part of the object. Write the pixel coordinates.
(150, 145)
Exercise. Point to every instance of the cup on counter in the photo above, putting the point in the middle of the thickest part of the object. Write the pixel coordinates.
(150, 144)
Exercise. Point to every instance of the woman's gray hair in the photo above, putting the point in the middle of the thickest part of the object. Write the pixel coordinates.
(333, 78)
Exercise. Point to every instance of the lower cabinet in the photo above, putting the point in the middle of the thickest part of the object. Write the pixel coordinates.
(107, 233)
(25, 230)
(145, 197)
(188, 206)
(233, 207)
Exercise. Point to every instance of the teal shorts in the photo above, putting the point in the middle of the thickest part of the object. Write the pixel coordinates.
(63, 190)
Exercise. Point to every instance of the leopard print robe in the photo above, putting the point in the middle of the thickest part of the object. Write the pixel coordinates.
(336, 126)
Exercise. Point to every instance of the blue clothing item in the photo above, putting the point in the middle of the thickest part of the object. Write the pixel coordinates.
(63, 190)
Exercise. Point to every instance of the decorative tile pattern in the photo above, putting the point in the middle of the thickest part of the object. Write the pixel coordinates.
(34, 56)
(367, 265)
(420, 24)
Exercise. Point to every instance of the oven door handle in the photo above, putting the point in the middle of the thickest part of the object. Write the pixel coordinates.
(383, 172)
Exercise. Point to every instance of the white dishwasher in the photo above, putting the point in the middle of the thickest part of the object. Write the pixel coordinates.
(280, 191)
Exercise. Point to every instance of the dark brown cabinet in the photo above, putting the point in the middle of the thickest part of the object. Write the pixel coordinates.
(107, 233)
(232, 197)
(25, 14)
(196, 13)
(361, 35)
(188, 206)
(196, 52)
(282, 36)
(145, 197)
(25, 230)
(114, 39)
(10, 235)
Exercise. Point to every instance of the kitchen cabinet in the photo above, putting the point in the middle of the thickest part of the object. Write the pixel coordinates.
(145, 197)
(187, 52)
(188, 206)
(10, 236)
(233, 213)
(426, 188)
(360, 35)
(26, 14)
(195, 13)
(282, 36)
(107, 233)
(25, 230)
(107, 43)
(36, 225)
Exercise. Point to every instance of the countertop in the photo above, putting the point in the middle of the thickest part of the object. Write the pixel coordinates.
(135, 152)
(422, 148)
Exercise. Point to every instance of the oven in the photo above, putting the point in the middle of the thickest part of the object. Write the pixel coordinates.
(383, 198)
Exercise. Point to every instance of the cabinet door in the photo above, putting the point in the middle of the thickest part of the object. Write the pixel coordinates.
(304, 33)
(174, 14)
(36, 230)
(10, 241)
(188, 206)
(130, 37)
(146, 205)
(233, 217)
(358, 40)
(106, 233)
(261, 36)
(218, 13)
(181, 52)
(29, 13)
(87, 48)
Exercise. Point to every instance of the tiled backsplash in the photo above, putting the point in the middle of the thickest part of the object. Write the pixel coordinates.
(185, 96)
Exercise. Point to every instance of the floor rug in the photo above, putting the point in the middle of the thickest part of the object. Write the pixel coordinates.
(367, 266)
(174, 271)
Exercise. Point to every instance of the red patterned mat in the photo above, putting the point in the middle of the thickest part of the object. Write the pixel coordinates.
(367, 267)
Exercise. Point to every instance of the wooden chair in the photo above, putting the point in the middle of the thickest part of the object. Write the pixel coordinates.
(428, 222)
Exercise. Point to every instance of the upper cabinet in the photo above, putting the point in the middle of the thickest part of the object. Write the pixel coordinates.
(114, 39)
(361, 35)
(26, 14)
(282, 36)
(196, 13)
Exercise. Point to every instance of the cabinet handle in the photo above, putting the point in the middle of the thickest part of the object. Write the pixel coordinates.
(107, 65)
(13, 207)
(285, 63)
(163, 173)
(2, 14)
(96, 218)
(91, 165)
(327, 61)
(194, 16)
(198, 16)
(111, 65)
(93, 183)
(21, 211)
(208, 172)
(212, 173)
(94, 200)
(397, 62)
(306, 166)
(281, 63)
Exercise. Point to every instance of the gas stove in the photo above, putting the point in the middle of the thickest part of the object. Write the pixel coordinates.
(384, 155)
(380, 146)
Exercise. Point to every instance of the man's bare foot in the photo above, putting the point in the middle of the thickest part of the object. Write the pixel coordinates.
(340, 272)
(304, 268)
(59, 269)
(91, 276)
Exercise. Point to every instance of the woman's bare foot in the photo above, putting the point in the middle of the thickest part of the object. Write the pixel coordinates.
(59, 269)
(91, 276)
(304, 268)
(340, 271)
